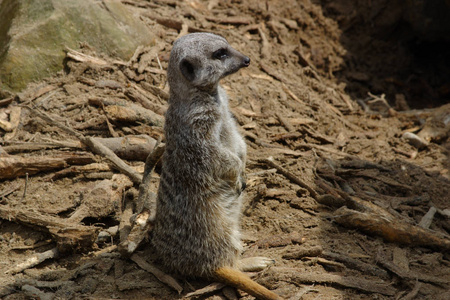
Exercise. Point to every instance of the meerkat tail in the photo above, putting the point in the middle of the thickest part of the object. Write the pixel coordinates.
(241, 281)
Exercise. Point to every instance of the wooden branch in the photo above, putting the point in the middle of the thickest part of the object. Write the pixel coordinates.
(33, 260)
(304, 251)
(160, 275)
(16, 166)
(356, 264)
(94, 145)
(215, 286)
(171, 23)
(382, 260)
(99, 202)
(295, 275)
(390, 230)
(69, 236)
(230, 20)
(269, 161)
(123, 111)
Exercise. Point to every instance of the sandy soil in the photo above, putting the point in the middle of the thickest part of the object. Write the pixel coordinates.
(297, 103)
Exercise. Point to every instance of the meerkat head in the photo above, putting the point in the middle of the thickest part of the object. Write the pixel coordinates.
(200, 60)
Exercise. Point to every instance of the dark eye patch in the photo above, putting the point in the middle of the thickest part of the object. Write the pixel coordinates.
(222, 53)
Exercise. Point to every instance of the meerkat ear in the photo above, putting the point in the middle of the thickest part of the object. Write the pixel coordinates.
(187, 69)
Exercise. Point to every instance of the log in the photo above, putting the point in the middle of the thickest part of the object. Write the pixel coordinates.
(390, 230)
(16, 166)
(69, 236)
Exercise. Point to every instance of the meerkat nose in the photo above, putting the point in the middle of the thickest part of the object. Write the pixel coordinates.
(246, 61)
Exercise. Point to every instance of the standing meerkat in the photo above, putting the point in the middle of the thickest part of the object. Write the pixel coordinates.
(196, 228)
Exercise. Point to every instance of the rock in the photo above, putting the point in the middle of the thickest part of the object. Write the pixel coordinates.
(414, 140)
(34, 34)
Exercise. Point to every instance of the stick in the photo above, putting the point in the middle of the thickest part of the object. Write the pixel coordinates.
(381, 259)
(269, 161)
(36, 293)
(68, 236)
(215, 286)
(94, 145)
(15, 166)
(34, 260)
(295, 275)
(390, 230)
(160, 275)
(356, 264)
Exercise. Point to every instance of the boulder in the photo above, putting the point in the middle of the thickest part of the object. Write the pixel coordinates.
(34, 34)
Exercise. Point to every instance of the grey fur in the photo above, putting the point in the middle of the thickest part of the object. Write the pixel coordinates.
(199, 198)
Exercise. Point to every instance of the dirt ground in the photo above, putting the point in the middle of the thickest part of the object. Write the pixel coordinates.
(337, 196)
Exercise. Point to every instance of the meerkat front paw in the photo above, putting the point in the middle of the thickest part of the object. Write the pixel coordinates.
(254, 264)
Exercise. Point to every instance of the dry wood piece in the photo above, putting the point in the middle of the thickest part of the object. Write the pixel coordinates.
(99, 148)
(133, 113)
(285, 123)
(137, 96)
(146, 198)
(231, 20)
(69, 236)
(19, 147)
(132, 147)
(216, 286)
(145, 206)
(102, 199)
(81, 57)
(171, 23)
(75, 170)
(428, 218)
(411, 295)
(265, 47)
(390, 230)
(356, 264)
(269, 161)
(34, 260)
(15, 166)
(304, 251)
(296, 275)
(163, 277)
(382, 260)
(94, 145)
(281, 240)
(35, 293)
(6, 102)
(155, 90)
(139, 229)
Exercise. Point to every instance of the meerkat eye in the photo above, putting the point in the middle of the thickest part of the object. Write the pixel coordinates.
(221, 54)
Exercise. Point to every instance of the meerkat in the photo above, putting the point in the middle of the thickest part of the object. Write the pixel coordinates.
(196, 227)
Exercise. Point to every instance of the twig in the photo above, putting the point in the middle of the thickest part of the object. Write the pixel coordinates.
(34, 260)
(381, 259)
(391, 230)
(160, 275)
(411, 295)
(68, 236)
(216, 286)
(371, 286)
(299, 253)
(356, 264)
(269, 161)
(171, 23)
(302, 292)
(150, 164)
(35, 293)
(428, 218)
(26, 185)
(285, 123)
(94, 145)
